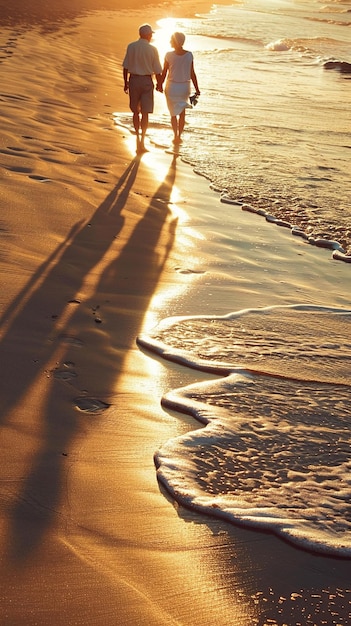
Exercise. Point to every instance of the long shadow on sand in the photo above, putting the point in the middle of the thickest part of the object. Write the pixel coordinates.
(37, 504)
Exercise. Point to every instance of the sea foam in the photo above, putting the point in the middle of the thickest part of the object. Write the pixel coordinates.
(274, 451)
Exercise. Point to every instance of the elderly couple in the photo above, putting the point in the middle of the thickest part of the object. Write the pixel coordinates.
(140, 63)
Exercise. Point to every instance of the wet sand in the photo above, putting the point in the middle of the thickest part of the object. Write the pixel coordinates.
(97, 245)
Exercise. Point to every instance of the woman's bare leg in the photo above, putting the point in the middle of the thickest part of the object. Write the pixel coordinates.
(174, 123)
(181, 123)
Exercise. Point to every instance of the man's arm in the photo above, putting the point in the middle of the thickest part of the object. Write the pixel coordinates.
(157, 70)
(159, 83)
(126, 82)
(161, 77)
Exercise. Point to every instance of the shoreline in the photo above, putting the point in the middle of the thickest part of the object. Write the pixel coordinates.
(93, 253)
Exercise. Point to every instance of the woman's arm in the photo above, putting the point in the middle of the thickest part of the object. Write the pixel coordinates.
(194, 79)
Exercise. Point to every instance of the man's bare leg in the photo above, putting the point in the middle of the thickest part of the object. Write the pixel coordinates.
(136, 124)
(144, 126)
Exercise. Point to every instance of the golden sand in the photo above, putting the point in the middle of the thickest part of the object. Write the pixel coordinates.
(93, 242)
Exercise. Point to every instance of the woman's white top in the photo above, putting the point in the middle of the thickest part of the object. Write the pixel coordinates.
(179, 66)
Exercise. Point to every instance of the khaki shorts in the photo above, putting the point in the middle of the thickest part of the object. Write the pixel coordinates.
(141, 94)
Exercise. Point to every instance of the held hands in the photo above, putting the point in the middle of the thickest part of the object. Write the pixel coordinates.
(158, 88)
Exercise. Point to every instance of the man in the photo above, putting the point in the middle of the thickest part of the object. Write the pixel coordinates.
(140, 63)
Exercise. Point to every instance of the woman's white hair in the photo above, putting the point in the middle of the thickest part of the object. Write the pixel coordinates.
(178, 38)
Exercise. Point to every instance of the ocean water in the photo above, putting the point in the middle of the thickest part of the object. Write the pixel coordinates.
(275, 450)
(271, 131)
(272, 125)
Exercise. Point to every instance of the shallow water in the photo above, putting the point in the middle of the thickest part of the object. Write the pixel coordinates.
(272, 126)
(270, 132)
(275, 450)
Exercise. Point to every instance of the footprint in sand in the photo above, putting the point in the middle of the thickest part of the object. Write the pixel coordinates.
(74, 151)
(187, 270)
(100, 171)
(91, 405)
(68, 339)
(7, 96)
(12, 151)
(20, 170)
(65, 372)
(40, 179)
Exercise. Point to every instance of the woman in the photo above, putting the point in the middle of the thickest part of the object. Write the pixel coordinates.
(179, 65)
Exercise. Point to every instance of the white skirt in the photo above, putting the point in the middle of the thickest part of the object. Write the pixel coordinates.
(177, 96)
